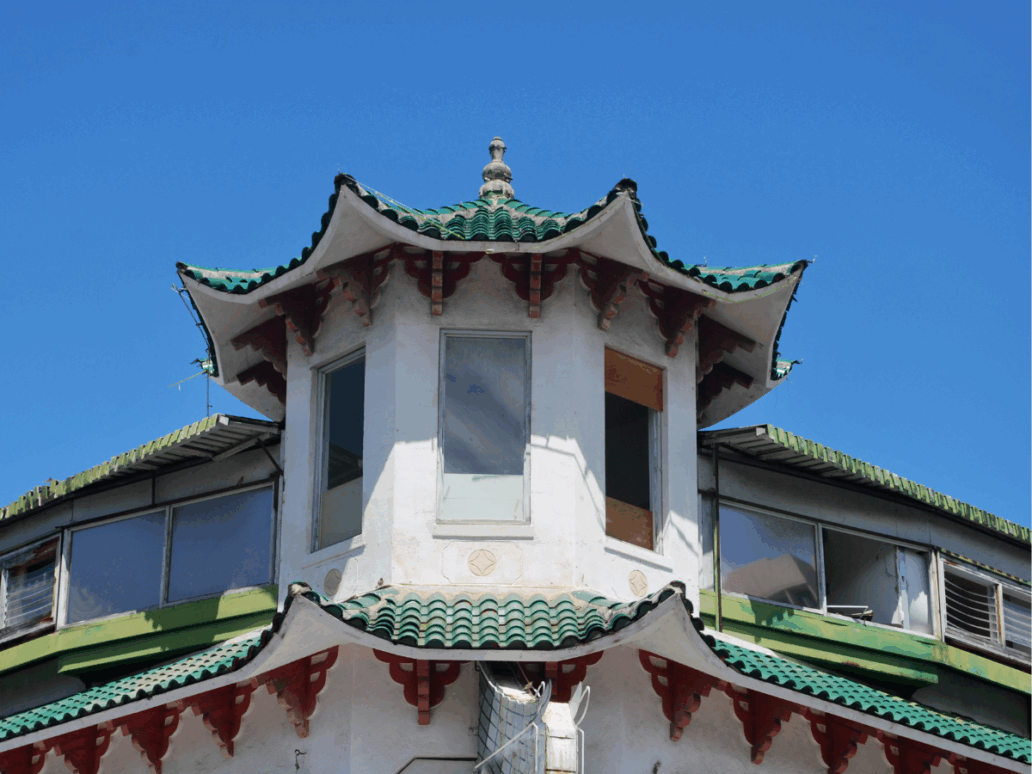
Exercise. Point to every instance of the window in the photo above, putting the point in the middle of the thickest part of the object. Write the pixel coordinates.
(634, 400)
(484, 427)
(794, 562)
(339, 505)
(27, 588)
(187, 551)
(984, 612)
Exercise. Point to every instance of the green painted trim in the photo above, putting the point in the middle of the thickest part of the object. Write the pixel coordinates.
(171, 644)
(895, 654)
(140, 626)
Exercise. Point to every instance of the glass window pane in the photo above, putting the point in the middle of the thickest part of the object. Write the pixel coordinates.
(1017, 623)
(860, 578)
(116, 567)
(221, 544)
(919, 590)
(484, 428)
(341, 511)
(768, 557)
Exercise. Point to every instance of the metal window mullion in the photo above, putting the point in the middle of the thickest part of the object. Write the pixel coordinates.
(656, 499)
(1000, 625)
(822, 581)
(166, 558)
(3, 596)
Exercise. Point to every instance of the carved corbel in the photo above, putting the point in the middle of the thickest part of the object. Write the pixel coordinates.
(837, 738)
(721, 377)
(609, 283)
(716, 341)
(962, 765)
(82, 750)
(221, 712)
(676, 311)
(269, 339)
(150, 732)
(361, 277)
(438, 274)
(302, 309)
(907, 756)
(761, 717)
(24, 760)
(681, 689)
(423, 681)
(564, 675)
(267, 376)
(535, 276)
(297, 686)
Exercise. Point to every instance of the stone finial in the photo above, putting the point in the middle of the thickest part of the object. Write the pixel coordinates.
(497, 174)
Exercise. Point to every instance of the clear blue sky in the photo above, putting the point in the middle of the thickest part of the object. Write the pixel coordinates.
(889, 139)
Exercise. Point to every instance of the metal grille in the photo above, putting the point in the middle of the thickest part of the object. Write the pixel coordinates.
(28, 587)
(1017, 624)
(971, 608)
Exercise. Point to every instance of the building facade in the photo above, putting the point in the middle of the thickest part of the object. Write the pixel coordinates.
(483, 528)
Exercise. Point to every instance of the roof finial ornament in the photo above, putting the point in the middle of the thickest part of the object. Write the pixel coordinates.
(497, 174)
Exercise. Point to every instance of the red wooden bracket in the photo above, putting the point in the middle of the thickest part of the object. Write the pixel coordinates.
(962, 765)
(150, 732)
(361, 278)
(907, 756)
(676, 310)
(269, 339)
(535, 276)
(609, 283)
(297, 686)
(716, 341)
(24, 760)
(267, 376)
(721, 378)
(838, 740)
(438, 274)
(221, 711)
(302, 309)
(681, 689)
(424, 681)
(82, 750)
(564, 675)
(761, 717)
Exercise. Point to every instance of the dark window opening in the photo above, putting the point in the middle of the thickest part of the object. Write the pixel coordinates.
(341, 509)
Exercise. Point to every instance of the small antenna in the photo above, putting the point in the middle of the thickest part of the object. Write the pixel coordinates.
(206, 363)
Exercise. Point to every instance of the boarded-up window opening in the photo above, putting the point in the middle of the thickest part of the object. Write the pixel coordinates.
(634, 398)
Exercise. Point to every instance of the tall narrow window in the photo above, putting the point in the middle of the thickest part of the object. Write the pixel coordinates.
(340, 505)
(485, 426)
(634, 400)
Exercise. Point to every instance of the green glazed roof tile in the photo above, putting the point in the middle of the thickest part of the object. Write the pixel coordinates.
(431, 619)
(490, 220)
(804, 679)
(225, 657)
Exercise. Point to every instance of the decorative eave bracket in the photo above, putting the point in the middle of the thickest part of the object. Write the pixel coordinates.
(438, 274)
(676, 311)
(721, 377)
(715, 342)
(297, 686)
(535, 276)
(680, 688)
(564, 675)
(302, 310)
(221, 712)
(150, 732)
(361, 277)
(761, 716)
(423, 681)
(609, 283)
(267, 376)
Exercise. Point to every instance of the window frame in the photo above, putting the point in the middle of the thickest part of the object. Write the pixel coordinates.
(657, 430)
(68, 533)
(322, 457)
(1000, 585)
(445, 334)
(937, 606)
(7, 634)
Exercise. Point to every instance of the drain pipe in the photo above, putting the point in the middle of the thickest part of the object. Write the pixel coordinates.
(716, 537)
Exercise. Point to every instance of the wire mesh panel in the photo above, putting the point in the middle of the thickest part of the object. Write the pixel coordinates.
(511, 738)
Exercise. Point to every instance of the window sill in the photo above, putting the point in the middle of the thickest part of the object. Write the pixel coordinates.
(342, 548)
(644, 555)
(490, 531)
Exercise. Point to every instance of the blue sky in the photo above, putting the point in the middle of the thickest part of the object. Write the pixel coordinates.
(888, 139)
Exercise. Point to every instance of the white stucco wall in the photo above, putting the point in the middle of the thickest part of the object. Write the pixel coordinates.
(565, 544)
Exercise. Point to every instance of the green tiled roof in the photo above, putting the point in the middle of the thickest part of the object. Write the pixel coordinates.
(804, 679)
(772, 444)
(211, 435)
(486, 620)
(226, 657)
(490, 220)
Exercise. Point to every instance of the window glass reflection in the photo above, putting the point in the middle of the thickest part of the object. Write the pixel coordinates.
(116, 567)
(764, 556)
(221, 544)
(341, 509)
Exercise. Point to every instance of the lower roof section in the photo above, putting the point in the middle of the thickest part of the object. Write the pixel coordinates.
(495, 626)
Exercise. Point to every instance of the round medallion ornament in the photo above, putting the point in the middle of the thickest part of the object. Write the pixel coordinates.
(639, 583)
(331, 583)
(481, 562)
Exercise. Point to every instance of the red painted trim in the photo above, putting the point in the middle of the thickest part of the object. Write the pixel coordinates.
(150, 732)
(360, 278)
(266, 376)
(680, 688)
(302, 310)
(564, 675)
(297, 686)
(676, 310)
(716, 341)
(269, 339)
(761, 718)
(221, 711)
(609, 283)
(837, 738)
(25, 760)
(82, 750)
(907, 756)
(423, 681)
